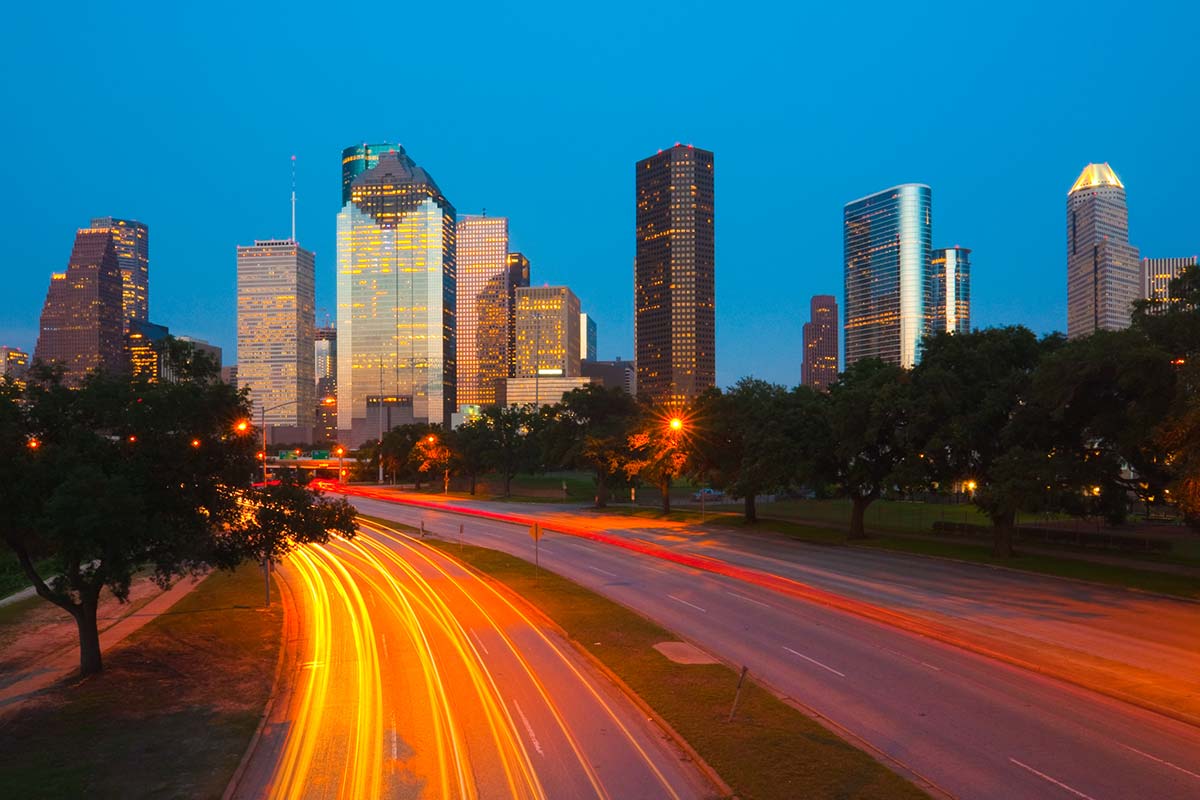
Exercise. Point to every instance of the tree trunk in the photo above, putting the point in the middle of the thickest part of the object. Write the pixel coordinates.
(751, 509)
(601, 489)
(665, 487)
(89, 637)
(472, 484)
(858, 511)
(508, 484)
(1002, 535)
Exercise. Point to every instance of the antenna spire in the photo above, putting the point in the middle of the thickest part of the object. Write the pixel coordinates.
(293, 199)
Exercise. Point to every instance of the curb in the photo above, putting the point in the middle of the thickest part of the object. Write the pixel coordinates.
(236, 779)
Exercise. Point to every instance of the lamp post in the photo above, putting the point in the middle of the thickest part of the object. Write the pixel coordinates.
(339, 452)
(266, 563)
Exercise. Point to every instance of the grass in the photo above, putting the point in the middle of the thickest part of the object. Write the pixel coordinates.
(12, 579)
(771, 750)
(170, 716)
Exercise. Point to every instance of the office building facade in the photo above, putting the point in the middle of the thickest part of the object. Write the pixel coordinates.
(482, 317)
(674, 275)
(146, 350)
(587, 337)
(1157, 274)
(82, 323)
(395, 301)
(820, 366)
(888, 285)
(951, 289)
(325, 426)
(1104, 274)
(14, 363)
(131, 242)
(541, 391)
(547, 332)
(618, 373)
(276, 323)
(359, 158)
(518, 278)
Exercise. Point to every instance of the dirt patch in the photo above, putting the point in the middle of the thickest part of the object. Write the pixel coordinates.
(684, 653)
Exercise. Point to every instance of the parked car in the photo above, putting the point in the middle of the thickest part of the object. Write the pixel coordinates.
(708, 495)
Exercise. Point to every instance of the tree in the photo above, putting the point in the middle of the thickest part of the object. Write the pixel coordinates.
(742, 442)
(510, 445)
(398, 449)
(471, 444)
(659, 447)
(590, 429)
(432, 456)
(866, 410)
(116, 477)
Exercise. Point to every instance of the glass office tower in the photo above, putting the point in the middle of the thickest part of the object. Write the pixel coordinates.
(587, 337)
(1104, 275)
(1157, 274)
(888, 289)
(395, 301)
(820, 366)
(358, 159)
(131, 242)
(482, 312)
(951, 289)
(518, 277)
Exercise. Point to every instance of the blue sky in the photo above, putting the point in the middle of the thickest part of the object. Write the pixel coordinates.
(185, 116)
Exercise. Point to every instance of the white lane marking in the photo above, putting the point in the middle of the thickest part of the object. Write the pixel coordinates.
(1057, 783)
(383, 641)
(395, 740)
(814, 661)
(749, 599)
(1160, 761)
(528, 728)
(909, 658)
(686, 603)
(479, 642)
(601, 571)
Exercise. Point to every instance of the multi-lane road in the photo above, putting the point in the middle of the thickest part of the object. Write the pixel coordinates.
(973, 726)
(408, 676)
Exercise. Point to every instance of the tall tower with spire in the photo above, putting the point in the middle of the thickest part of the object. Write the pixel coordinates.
(1104, 275)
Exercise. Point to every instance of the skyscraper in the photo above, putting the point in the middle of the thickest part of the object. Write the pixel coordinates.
(81, 325)
(395, 300)
(325, 362)
(547, 332)
(359, 158)
(146, 349)
(587, 337)
(518, 277)
(820, 366)
(482, 315)
(674, 275)
(1157, 274)
(14, 363)
(1104, 277)
(276, 305)
(888, 289)
(131, 241)
(951, 290)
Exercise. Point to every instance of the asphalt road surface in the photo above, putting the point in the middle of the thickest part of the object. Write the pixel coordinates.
(411, 677)
(970, 725)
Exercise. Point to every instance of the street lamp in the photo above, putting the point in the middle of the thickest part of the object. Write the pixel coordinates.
(340, 451)
(263, 424)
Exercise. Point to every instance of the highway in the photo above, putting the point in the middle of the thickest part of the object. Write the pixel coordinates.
(408, 676)
(970, 725)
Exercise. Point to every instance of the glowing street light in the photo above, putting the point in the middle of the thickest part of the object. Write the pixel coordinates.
(33, 444)
(242, 426)
(195, 442)
(676, 424)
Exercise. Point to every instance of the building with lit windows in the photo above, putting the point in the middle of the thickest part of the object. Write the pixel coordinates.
(888, 285)
(325, 363)
(820, 366)
(131, 241)
(1157, 274)
(482, 317)
(359, 158)
(395, 301)
(951, 290)
(81, 326)
(587, 337)
(214, 352)
(276, 321)
(674, 275)
(14, 363)
(547, 332)
(612, 373)
(1104, 275)
(146, 349)
(540, 391)
(518, 277)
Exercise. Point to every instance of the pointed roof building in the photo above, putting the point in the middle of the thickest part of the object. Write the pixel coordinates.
(1094, 175)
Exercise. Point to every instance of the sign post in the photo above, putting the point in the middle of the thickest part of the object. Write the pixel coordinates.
(535, 533)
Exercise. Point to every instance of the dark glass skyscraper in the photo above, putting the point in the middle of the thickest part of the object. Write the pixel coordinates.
(951, 289)
(1104, 275)
(820, 367)
(358, 159)
(888, 291)
(674, 275)
(518, 277)
(81, 326)
(131, 241)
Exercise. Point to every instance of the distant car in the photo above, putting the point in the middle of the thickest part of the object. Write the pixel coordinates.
(708, 494)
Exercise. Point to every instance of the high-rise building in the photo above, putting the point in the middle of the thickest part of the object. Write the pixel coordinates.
(131, 241)
(518, 277)
(395, 301)
(547, 332)
(81, 326)
(276, 319)
(214, 352)
(359, 158)
(674, 275)
(14, 363)
(1157, 274)
(1104, 276)
(146, 349)
(951, 291)
(587, 337)
(888, 289)
(820, 366)
(325, 362)
(612, 373)
(482, 317)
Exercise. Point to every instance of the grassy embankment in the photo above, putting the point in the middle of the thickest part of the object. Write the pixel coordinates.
(170, 716)
(770, 750)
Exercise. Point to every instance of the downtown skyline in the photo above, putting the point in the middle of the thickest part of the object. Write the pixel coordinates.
(986, 172)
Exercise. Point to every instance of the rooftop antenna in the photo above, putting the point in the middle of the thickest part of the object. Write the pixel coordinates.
(293, 199)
